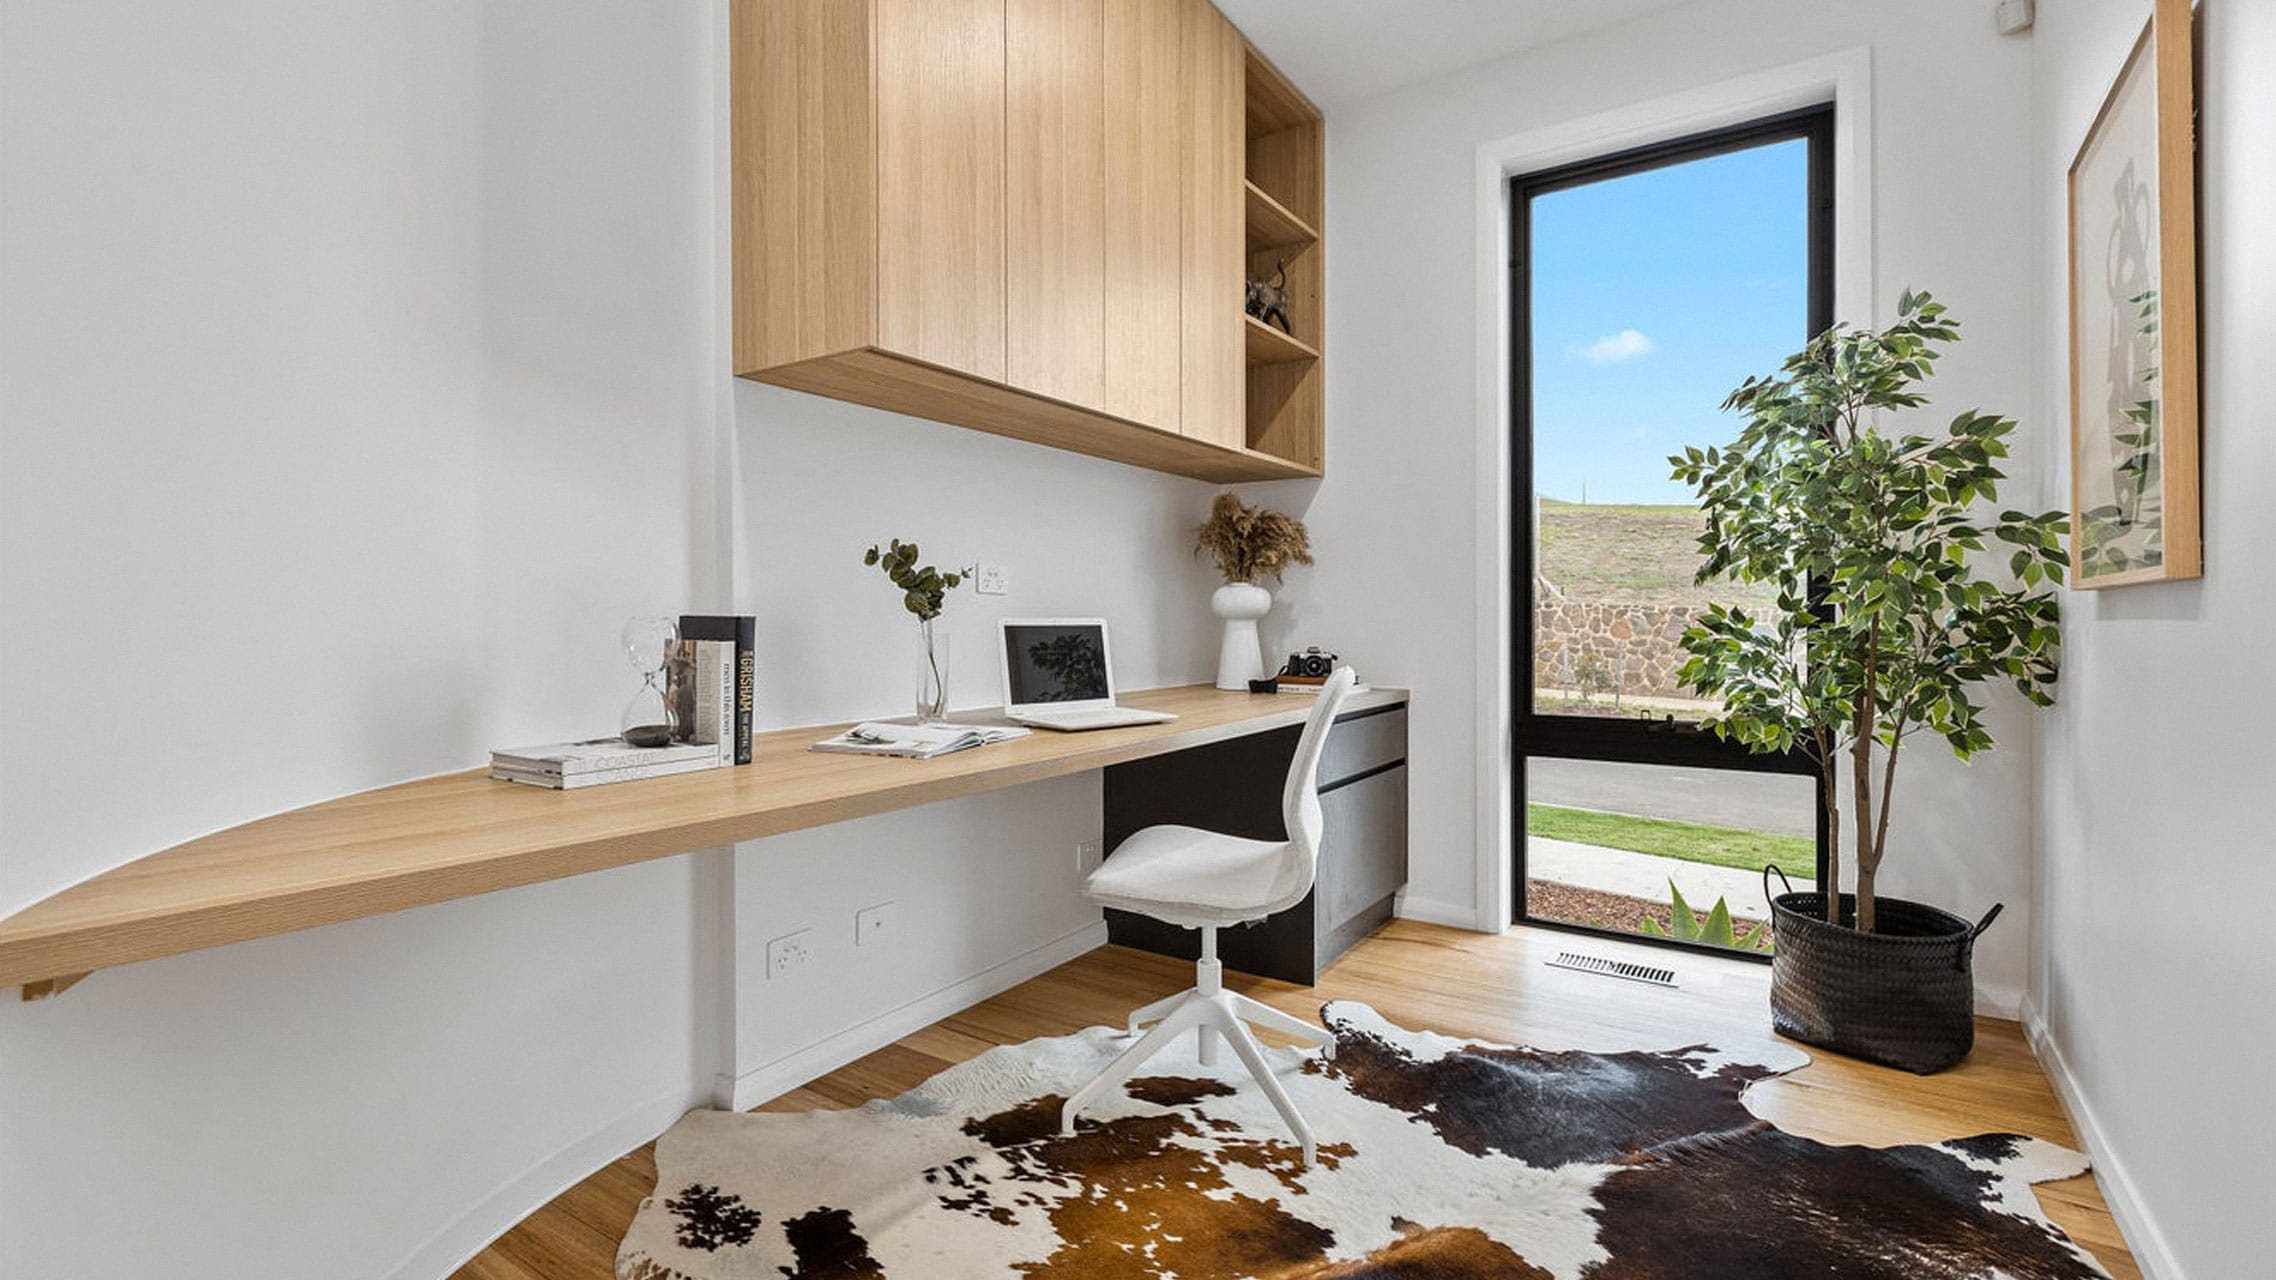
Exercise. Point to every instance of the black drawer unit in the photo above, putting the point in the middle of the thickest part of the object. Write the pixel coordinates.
(1234, 787)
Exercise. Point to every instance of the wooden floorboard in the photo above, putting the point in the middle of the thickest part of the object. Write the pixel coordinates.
(1423, 976)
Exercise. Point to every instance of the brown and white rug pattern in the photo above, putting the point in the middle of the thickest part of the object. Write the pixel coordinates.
(1440, 1159)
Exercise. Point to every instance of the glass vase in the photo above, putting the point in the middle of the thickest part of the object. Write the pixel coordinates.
(932, 674)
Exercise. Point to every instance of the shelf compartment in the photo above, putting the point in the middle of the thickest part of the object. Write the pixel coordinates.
(1273, 225)
(1268, 345)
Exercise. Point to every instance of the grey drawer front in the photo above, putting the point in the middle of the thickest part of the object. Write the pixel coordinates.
(1363, 743)
(1363, 849)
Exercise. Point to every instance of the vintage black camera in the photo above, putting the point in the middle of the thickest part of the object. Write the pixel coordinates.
(1312, 664)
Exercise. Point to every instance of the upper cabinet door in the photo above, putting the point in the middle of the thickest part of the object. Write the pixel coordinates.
(940, 182)
(1055, 199)
(1144, 158)
(1213, 223)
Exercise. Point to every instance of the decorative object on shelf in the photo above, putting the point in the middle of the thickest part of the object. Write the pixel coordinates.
(652, 646)
(1247, 543)
(1314, 663)
(924, 592)
(2133, 268)
(1885, 625)
(1268, 301)
(734, 637)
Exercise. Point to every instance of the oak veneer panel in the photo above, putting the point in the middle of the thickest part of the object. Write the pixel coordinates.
(886, 381)
(804, 211)
(939, 89)
(1213, 222)
(463, 834)
(1055, 199)
(1266, 344)
(1270, 102)
(1272, 225)
(1142, 243)
(1493, 988)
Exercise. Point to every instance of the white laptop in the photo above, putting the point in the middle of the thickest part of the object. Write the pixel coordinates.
(1059, 674)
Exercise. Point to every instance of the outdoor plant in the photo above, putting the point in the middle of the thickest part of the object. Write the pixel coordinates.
(1249, 542)
(1886, 622)
(1715, 931)
(924, 589)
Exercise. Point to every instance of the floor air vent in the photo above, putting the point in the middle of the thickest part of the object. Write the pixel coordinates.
(1614, 968)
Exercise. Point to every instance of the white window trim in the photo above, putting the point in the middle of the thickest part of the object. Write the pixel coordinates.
(1844, 79)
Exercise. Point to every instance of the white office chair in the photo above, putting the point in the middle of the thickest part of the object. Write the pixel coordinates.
(1202, 880)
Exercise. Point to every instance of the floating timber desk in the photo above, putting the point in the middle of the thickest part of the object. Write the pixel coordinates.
(464, 834)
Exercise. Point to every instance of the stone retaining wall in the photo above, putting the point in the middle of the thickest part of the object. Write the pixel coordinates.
(1596, 647)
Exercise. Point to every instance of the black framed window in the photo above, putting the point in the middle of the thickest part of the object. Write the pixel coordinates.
(1644, 286)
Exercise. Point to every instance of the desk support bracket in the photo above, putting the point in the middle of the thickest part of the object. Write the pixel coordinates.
(42, 988)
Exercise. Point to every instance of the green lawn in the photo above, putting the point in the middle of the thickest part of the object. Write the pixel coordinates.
(1689, 841)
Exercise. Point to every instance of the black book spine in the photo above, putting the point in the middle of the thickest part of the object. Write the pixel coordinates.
(743, 629)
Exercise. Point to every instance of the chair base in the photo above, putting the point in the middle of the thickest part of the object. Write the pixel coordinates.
(1210, 1012)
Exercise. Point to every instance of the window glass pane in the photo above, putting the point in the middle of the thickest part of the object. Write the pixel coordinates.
(1653, 295)
(1605, 842)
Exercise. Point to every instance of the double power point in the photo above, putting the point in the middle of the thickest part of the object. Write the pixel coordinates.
(873, 927)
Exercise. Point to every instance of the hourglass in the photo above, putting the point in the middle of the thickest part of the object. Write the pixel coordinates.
(651, 643)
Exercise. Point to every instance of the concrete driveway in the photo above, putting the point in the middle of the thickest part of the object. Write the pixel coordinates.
(1779, 803)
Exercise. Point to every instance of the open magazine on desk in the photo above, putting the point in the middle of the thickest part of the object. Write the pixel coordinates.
(917, 741)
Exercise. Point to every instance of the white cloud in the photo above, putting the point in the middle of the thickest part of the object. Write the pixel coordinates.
(1615, 347)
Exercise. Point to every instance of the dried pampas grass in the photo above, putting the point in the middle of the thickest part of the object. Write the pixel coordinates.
(1249, 542)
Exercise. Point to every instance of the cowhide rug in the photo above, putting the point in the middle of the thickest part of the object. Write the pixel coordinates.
(1439, 1159)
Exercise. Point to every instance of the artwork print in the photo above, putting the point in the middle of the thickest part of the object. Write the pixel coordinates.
(2134, 515)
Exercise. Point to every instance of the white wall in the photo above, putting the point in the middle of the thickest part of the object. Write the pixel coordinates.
(2153, 978)
(350, 365)
(1395, 520)
(987, 887)
(359, 368)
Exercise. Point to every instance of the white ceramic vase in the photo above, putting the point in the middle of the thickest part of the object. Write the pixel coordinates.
(1240, 658)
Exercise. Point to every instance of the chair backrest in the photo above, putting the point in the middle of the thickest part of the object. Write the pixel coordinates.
(1300, 799)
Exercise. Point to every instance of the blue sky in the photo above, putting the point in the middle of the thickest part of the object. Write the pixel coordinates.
(1654, 295)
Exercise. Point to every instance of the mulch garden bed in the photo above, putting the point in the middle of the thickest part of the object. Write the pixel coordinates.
(1549, 900)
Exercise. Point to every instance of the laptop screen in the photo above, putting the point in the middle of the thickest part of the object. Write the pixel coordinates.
(1059, 663)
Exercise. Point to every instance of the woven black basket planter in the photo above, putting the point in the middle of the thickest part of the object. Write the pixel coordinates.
(1903, 995)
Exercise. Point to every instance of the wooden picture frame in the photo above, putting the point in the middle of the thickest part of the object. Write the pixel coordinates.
(2132, 191)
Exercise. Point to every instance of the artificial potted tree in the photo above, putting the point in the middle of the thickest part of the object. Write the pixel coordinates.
(1886, 627)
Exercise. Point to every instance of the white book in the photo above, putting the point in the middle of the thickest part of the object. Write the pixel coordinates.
(597, 754)
(715, 696)
(918, 741)
(602, 777)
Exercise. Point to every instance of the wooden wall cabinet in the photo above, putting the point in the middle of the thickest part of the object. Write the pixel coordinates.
(1033, 218)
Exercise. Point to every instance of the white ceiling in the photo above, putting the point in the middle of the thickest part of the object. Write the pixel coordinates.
(1342, 50)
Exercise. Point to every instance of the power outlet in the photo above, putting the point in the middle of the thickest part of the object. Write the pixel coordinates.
(1087, 857)
(991, 580)
(790, 953)
(875, 926)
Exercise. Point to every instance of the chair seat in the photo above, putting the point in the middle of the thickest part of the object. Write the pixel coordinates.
(1186, 876)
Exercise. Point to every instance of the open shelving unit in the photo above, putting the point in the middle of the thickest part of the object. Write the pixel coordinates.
(1284, 205)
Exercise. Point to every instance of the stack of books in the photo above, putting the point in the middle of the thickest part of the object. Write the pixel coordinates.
(566, 766)
(712, 697)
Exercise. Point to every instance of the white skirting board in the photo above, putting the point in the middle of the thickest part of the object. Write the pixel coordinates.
(2151, 1253)
(742, 1092)
(486, 1221)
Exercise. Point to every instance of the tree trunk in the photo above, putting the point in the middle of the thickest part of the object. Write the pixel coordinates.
(1861, 780)
(1830, 776)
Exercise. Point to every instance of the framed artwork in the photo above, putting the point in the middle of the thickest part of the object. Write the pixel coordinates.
(2133, 322)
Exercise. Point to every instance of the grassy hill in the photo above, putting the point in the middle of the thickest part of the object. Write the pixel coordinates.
(1631, 555)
